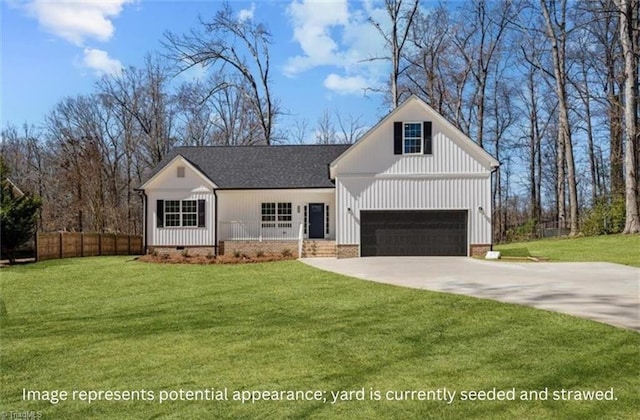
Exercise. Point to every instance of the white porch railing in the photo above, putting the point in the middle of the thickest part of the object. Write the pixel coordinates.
(259, 231)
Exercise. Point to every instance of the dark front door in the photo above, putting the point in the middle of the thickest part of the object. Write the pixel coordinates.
(316, 220)
(413, 233)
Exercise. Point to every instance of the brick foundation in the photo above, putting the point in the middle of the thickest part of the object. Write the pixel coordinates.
(479, 250)
(348, 251)
(190, 250)
(251, 248)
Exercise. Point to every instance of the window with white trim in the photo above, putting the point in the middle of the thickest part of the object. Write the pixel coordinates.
(268, 214)
(172, 213)
(326, 215)
(277, 214)
(284, 215)
(189, 213)
(180, 213)
(412, 138)
(304, 224)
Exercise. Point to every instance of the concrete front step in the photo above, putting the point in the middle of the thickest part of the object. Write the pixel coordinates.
(310, 255)
(319, 249)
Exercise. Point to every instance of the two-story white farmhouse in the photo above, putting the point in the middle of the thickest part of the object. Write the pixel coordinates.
(412, 185)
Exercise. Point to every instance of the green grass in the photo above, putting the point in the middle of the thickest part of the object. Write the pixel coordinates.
(110, 323)
(620, 249)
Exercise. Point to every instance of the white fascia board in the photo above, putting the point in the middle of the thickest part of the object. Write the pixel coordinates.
(444, 175)
(186, 163)
(291, 190)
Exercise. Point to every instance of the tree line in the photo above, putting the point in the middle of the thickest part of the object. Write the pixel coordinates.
(548, 87)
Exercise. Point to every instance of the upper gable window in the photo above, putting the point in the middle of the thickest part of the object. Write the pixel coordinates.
(412, 138)
(180, 171)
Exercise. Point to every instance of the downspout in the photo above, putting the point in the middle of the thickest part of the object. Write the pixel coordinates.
(493, 171)
(215, 222)
(145, 204)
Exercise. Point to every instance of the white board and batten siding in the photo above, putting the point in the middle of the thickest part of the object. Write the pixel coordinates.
(456, 176)
(246, 205)
(413, 194)
(166, 185)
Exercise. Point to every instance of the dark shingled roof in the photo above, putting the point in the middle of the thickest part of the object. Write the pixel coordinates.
(238, 167)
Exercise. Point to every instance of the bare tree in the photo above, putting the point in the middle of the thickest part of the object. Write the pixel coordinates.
(351, 128)
(479, 40)
(603, 25)
(555, 19)
(401, 16)
(298, 131)
(325, 130)
(74, 132)
(429, 57)
(530, 96)
(583, 88)
(503, 114)
(629, 27)
(143, 94)
(195, 114)
(235, 47)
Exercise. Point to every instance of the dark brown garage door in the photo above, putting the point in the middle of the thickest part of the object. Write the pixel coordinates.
(413, 233)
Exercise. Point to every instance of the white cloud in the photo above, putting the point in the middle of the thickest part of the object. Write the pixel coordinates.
(100, 62)
(77, 21)
(247, 14)
(333, 35)
(312, 23)
(194, 73)
(347, 85)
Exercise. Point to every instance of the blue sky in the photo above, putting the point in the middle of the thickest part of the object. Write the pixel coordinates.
(53, 49)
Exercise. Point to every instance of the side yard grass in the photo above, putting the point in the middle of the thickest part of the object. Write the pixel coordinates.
(620, 249)
(114, 324)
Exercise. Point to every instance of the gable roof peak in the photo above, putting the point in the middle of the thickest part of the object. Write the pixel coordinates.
(465, 141)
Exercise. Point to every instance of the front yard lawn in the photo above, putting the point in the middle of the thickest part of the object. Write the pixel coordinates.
(620, 249)
(113, 324)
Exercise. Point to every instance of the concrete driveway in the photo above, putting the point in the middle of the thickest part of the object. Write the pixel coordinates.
(604, 292)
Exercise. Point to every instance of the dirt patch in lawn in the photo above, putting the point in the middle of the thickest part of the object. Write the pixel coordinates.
(212, 259)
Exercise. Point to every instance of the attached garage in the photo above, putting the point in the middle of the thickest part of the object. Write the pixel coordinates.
(413, 233)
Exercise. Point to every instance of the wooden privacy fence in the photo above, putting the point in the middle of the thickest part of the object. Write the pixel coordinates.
(50, 246)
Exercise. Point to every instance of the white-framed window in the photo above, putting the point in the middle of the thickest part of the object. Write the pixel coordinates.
(412, 138)
(284, 215)
(172, 213)
(189, 213)
(180, 213)
(180, 172)
(268, 214)
(276, 214)
(326, 222)
(304, 223)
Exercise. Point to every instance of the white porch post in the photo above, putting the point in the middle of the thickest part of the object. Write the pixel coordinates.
(300, 238)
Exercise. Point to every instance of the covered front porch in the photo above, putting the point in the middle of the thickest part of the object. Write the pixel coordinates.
(250, 238)
(296, 221)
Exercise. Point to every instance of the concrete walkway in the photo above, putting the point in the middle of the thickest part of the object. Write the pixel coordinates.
(603, 292)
